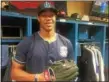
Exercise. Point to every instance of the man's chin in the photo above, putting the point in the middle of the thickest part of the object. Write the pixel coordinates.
(48, 30)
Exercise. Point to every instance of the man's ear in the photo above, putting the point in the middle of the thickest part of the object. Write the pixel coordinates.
(38, 18)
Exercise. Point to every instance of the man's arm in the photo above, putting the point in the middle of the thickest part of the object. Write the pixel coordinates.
(18, 74)
(18, 63)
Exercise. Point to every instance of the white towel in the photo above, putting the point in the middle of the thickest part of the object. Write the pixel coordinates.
(101, 62)
(97, 62)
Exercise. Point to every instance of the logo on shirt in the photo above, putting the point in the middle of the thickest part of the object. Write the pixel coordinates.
(63, 51)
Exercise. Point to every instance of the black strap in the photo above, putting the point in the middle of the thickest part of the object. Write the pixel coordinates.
(31, 46)
(62, 39)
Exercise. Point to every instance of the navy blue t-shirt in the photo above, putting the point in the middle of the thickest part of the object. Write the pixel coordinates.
(37, 54)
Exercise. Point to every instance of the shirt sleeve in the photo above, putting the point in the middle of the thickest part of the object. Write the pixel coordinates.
(70, 51)
(22, 50)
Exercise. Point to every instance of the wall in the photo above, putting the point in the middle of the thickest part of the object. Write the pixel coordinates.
(81, 7)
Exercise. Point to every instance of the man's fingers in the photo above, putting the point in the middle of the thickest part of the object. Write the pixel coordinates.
(53, 78)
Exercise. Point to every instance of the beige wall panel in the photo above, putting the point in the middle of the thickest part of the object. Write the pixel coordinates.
(80, 7)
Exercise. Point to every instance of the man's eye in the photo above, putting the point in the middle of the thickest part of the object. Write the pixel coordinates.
(43, 15)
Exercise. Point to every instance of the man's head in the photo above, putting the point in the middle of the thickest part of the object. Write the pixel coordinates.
(47, 16)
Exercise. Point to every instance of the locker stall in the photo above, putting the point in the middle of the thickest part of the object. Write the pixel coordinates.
(13, 30)
(91, 36)
(91, 32)
(106, 58)
(13, 26)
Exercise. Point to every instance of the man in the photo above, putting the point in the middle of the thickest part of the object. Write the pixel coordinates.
(35, 53)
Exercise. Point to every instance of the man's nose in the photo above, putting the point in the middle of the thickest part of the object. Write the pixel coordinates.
(49, 17)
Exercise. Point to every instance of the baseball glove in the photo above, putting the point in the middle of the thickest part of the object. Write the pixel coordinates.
(64, 70)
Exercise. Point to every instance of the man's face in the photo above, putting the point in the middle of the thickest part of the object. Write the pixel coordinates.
(47, 20)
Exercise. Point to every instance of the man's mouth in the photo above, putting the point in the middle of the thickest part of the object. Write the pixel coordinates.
(48, 23)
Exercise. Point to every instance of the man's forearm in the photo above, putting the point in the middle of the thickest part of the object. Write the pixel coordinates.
(20, 75)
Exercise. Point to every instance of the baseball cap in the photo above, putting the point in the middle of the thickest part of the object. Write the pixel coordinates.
(46, 6)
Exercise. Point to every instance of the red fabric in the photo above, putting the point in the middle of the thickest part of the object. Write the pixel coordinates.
(47, 75)
(27, 4)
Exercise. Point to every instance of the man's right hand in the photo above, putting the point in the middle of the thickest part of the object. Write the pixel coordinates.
(45, 76)
(40, 77)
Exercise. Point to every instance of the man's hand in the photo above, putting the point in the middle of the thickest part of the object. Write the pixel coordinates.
(45, 76)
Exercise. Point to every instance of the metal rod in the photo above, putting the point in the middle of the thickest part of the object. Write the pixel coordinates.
(11, 26)
(12, 45)
(90, 43)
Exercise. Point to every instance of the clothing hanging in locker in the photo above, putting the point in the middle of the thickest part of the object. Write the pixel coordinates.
(106, 58)
(12, 52)
(4, 56)
(91, 64)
